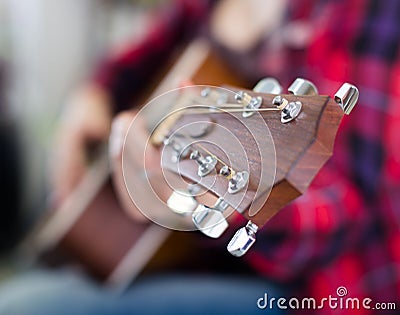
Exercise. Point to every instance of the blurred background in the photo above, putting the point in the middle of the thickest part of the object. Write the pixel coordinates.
(47, 48)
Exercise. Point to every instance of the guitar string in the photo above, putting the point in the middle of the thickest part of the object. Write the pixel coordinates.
(228, 108)
(228, 105)
(187, 136)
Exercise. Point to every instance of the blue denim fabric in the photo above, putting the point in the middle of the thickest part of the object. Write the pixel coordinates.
(43, 293)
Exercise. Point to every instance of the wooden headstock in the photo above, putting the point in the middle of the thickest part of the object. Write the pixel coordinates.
(256, 150)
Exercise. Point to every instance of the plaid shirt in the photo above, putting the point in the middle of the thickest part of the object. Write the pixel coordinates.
(344, 231)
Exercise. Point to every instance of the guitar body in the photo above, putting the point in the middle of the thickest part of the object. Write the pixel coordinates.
(93, 230)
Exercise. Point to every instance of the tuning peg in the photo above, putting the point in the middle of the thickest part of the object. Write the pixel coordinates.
(249, 102)
(303, 87)
(243, 239)
(182, 202)
(347, 97)
(206, 165)
(180, 147)
(268, 85)
(238, 182)
(211, 221)
(290, 112)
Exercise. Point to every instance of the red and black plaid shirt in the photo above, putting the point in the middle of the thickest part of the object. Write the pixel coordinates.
(344, 231)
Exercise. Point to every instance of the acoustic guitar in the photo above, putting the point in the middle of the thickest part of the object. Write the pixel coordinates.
(281, 142)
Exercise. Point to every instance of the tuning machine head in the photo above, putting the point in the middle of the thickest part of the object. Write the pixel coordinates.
(243, 239)
(238, 181)
(268, 85)
(180, 147)
(347, 97)
(211, 221)
(206, 164)
(182, 202)
(303, 87)
(291, 111)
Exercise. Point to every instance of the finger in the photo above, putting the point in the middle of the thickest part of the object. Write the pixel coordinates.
(119, 131)
(185, 83)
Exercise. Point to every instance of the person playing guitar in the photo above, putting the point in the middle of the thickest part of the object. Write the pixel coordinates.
(343, 232)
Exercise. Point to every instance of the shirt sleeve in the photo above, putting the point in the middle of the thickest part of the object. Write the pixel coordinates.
(131, 71)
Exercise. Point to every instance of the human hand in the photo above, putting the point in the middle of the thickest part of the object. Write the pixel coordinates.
(142, 157)
(85, 123)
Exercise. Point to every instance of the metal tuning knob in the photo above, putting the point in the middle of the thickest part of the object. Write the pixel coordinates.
(268, 85)
(249, 102)
(243, 239)
(347, 97)
(211, 221)
(290, 112)
(238, 182)
(179, 146)
(303, 87)
(182, 202)
(206, 165)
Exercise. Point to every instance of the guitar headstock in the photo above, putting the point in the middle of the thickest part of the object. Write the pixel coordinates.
(254, 150)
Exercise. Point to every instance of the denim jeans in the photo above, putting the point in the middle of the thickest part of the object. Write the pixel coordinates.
(68, 293)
